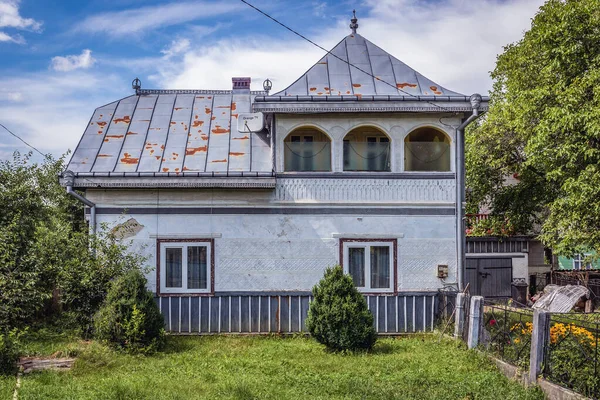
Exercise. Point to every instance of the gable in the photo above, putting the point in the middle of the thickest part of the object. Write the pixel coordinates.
(355, 66)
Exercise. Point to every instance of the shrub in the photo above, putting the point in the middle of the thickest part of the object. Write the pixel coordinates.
(338, 316)
(9, 351)
(129, 318)
(86, 276)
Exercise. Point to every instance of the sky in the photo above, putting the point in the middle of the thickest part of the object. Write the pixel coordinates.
(61, 59)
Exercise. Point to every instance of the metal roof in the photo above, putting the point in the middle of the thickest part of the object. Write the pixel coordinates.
(194, 132)
(172, 132)
(355, 66)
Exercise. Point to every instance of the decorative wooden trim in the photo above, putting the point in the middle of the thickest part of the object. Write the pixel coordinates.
(212, 267)
(394, 258)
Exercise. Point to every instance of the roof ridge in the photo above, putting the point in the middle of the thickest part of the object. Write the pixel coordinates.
(194, 91)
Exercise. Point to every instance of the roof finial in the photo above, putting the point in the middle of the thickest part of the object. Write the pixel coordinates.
(354, 20)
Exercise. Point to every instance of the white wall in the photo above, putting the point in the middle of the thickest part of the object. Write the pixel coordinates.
(290, 252)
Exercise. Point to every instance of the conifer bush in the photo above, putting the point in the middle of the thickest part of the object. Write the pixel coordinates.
(129, 318)
(338, 316)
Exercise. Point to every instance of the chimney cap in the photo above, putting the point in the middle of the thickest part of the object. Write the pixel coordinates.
(241, 84)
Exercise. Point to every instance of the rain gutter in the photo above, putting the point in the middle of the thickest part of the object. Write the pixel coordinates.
(69, 177)
(461, 239)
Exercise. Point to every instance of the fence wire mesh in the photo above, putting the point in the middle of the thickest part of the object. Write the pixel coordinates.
(571, 353)
(507, 332)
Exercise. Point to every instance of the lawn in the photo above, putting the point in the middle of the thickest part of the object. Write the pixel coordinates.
(227, 367)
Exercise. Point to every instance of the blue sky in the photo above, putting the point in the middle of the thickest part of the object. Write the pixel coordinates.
(61, 59)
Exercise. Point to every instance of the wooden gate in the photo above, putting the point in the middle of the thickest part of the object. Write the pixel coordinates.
(489, 277)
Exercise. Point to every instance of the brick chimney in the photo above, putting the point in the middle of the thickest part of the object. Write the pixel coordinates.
(241, 85)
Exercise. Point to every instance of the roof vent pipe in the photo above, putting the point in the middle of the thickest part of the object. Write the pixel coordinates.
(69, 181)
(461, 239)
(241, 85)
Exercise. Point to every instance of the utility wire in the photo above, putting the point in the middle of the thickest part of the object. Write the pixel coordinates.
(339, 58)
(18, 137)
(43, 155)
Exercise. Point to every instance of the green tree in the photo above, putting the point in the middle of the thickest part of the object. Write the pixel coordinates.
(32, 206)
(543, 127)
(45, 247)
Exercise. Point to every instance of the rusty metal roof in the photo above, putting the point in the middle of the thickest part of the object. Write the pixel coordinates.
(166, 131)
(355, 66)
(194, 132)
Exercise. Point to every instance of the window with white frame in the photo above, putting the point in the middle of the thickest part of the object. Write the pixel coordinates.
(185, 267)
(370, 264)
(579, 262)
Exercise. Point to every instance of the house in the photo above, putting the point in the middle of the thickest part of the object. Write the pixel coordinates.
(502, 264)
(241, 199)
(579, 262)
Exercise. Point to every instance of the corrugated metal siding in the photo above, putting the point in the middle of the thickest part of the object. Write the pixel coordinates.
(265, 313)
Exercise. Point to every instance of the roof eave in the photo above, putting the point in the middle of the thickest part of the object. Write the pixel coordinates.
(172, 180)
(351, 104)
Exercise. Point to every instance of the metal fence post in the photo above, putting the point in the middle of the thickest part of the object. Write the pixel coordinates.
(539, 338)
(475, 321)
(459, 317)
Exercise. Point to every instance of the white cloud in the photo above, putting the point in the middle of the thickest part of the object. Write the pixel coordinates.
(11, 18)
(176, 47)
(5, 37)
(53, 110)
(70, 63)
(139, 20)
(454, 43)
(13, 96)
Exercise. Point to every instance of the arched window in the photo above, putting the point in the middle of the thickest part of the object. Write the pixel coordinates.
(427, 149)
(366, 149)
(307, 149)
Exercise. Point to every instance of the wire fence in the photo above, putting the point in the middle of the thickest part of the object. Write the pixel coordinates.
(571, 353)
(507, 332)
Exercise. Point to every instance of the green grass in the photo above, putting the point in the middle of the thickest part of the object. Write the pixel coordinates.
(223, 367)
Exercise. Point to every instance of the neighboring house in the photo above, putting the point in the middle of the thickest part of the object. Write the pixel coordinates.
(502, 266)
(241, 199)
(579, 262)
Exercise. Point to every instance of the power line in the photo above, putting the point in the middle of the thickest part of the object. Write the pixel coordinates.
(18, 137)
(43, 155)
(339, 58)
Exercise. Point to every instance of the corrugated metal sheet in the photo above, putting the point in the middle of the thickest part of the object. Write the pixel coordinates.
(373, 72)
(165, 131)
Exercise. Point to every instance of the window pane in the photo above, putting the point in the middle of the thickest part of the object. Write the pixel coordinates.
(356, 265)
(197, 267)
(366, 156)
(423, 156)
(380, 267)
(307, 156)
(426, 149)
(173, 268)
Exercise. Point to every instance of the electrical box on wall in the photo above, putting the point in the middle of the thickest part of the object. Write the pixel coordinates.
(442, 271)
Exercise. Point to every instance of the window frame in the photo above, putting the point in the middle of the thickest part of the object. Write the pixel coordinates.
(162, 244)
(580, 258)
(345, 244)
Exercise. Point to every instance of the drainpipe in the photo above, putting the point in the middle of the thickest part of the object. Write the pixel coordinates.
(461, 239)
(69, 181)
